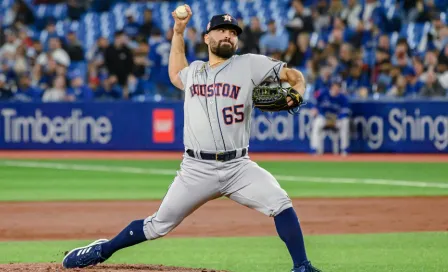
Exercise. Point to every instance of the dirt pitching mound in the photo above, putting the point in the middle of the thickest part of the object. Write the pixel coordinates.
(98, 268)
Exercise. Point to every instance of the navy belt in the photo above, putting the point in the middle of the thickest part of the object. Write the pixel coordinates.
(220, 156)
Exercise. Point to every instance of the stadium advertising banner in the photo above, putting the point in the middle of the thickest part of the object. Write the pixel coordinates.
(411, 127)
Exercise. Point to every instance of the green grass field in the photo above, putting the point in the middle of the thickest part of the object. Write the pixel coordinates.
(89, 180)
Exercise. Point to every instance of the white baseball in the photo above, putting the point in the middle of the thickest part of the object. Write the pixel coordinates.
(181, 12)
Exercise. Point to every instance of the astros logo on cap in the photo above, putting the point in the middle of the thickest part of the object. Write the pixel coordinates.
(227, 17)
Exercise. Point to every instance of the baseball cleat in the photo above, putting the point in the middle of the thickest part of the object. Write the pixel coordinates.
(84, 256)
(305, 267)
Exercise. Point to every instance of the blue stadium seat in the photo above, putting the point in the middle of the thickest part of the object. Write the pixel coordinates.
(415, 34)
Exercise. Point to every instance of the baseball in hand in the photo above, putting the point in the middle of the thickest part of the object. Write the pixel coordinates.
(181, 12)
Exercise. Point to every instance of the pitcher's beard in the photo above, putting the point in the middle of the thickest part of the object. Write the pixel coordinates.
(221, 49)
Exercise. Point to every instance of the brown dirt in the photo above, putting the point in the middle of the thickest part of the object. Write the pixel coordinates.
(222, 217)
(99, 268)
(257, 156)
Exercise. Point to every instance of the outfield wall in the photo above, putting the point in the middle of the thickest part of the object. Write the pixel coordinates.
(393, 126)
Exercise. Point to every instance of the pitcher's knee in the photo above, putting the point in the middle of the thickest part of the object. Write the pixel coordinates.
(281, 206)
(155, 228)
(276, 206)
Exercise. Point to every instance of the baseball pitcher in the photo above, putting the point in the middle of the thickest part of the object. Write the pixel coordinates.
(219, 97)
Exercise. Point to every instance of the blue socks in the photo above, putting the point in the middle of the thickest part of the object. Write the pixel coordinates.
(131, 235)
(286, 223)
(288, 228)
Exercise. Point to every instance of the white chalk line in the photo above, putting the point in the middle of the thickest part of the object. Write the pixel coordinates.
(171, 172)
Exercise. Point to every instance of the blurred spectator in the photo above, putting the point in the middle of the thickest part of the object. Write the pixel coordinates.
(78, 91)
(359, 36)
(331, 110)
(399, 87)
(97, 55)
(401, 57)
(110, 89)
(5, 91)
(442, 65)
(432, 87)
(20, 12)
(26, 40)
(191, 42)
(290, 56)
(357, 81)
(136, 88)
(94, 85)
(43, 76)
(74, 47)
(321, 17)
(438, 33)
(301, 22)
(381, 71)
(345, 60)
(384, 43)
(336, 7)
(323, 80)
(440, 38)
(420, 13)
(431, 60)
(141, 61)
(148, 24)
(201, 50)
(34, 51)
(56, 52)
(98, 50)
(273, 40)
(250, 38)
(131, 27)
(158, 57)
(335, 39)
(419, 69)
(298, 54)
(25, 92)
(6, 69)
(21, 63)
(413, 84)
(58, 93)
(119, 60)
(49, 32)
(8, 50)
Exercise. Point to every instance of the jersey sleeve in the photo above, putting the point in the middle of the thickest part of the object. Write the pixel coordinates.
(264, 68)
(183, 74)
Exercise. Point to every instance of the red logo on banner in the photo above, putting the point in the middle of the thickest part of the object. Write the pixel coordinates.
(163, 126)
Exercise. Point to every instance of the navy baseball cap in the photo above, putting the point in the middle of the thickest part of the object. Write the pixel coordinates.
(221, 20)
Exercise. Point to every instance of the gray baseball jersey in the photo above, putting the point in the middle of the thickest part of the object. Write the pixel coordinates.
(217, 112)
(218, 101)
